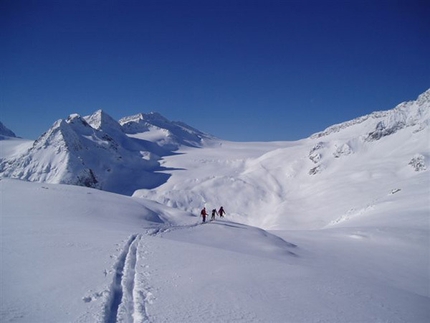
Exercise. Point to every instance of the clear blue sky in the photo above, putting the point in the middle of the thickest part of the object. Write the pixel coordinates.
(240, 70)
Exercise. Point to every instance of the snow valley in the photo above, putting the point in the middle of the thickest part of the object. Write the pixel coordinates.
(330, 228)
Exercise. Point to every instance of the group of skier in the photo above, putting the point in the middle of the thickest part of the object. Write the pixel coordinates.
(220, 212)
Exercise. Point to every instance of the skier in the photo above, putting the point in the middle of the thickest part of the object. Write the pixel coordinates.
(221, 212)
(203, 213)
(214, 212)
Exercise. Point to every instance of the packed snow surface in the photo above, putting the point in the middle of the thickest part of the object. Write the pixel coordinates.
(74, 254)
(332, 228)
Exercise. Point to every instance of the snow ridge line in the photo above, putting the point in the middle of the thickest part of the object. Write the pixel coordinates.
(120, 305)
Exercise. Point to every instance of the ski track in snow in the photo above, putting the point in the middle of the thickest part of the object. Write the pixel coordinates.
(128, 294)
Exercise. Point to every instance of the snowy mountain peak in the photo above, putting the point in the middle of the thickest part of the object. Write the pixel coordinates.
(155, 117)
(63, 134)
(5, 132)
(100, 120)
(152, 117)
(134, 124)
(94, 154)
(166, 133)
(95, 151)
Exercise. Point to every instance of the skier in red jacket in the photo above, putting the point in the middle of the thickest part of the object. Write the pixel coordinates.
(203, 213)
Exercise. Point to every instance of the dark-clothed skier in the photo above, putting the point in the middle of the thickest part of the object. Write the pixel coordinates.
(214, 212)
(221, 212)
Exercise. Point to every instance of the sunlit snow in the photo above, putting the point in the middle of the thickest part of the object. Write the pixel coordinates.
(332, 228)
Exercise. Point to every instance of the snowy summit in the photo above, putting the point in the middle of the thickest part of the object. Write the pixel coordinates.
(330, 228)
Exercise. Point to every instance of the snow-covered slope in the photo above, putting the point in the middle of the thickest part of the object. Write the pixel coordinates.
(379, 124)
(345, 171)
(75, 254)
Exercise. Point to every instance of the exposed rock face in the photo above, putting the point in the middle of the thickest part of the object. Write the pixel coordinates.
(418, 162)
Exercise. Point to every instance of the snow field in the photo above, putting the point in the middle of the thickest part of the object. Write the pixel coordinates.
(334, 228)
(81, 255)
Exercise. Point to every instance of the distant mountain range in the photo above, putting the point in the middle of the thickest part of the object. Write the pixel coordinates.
(100, 152)
(97, 151)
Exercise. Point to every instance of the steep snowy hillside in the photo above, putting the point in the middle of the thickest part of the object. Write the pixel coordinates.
(383, 123)
(349, 170)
